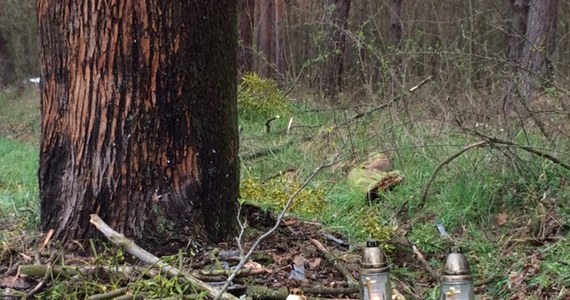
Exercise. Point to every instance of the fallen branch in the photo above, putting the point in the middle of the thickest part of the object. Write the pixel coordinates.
(209, 278)
(250, 272)
(442, 164)
(426, 264)
(265, 293)
(70, 270)
(335, 262)
(43, 270)
(109, 295)
(139, 296)
(275, 227)
(146, 257)
(232, 256)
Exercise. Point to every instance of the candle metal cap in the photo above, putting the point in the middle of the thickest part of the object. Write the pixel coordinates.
(373, 257)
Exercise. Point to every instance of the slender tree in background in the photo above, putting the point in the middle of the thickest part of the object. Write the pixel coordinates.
(280, 63)
(518, 27)
(139, 118)
(539, 46)
(3, 51)
(335, 25)
(396, 22)
(265, 15)
(246, 10)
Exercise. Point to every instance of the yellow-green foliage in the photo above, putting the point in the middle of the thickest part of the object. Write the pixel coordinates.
(276, 192)
(370, 224)
(260, 97)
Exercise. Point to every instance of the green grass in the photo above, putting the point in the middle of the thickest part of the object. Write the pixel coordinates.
(19, 136)
(18, 180)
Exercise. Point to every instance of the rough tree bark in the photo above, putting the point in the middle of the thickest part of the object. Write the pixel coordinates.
(335, 23)
(139, 118)
(539, 46)
(265, 38)
(246, 9)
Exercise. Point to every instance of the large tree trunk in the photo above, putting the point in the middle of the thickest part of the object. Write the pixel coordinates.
(539, 47)
(246, 9)
(336, 22)
(139, 118)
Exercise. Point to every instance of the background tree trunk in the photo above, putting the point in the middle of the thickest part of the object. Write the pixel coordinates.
(265, 38)
(518, 29)
(246, 9)
(396, 23)
(538, 50)
(139, 119)
(4, 67)
(280, 63)
(336, 22)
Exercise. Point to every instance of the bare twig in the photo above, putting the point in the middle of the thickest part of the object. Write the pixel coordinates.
(46, 277)
(12, 270)
(526, 148)
(245, 258)
(442, 164)
(268, 123)
(146, 257)
(46, 239)
(392, 101)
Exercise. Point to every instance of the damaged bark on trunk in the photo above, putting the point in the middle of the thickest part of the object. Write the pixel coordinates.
(139, 119)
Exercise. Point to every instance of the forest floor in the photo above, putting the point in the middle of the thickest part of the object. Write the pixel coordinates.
(508, 209)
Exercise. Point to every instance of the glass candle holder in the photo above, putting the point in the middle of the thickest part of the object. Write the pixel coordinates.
(374, 274)
(456, 281)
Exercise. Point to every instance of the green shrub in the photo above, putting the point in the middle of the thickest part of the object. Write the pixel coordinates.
(260, 97)
(276, 192)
